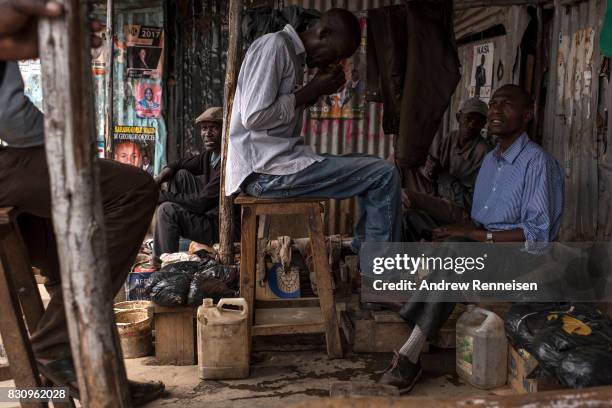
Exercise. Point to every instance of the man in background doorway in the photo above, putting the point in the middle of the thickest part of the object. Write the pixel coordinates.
(440, 192)
(189, 208)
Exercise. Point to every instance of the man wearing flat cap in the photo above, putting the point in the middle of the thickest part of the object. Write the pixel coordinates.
(189, 208)
(444, 186)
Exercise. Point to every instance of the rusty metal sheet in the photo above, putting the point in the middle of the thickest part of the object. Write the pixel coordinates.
(570, 131)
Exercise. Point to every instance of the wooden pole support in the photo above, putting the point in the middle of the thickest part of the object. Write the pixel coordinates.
(226, 204)
(108, 88)
(77, 212)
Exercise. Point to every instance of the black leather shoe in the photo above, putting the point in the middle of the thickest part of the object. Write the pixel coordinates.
(402, 373)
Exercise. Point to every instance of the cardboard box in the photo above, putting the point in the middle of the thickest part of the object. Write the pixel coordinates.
(524, 376)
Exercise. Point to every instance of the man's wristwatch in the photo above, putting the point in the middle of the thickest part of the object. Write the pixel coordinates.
(489, 237)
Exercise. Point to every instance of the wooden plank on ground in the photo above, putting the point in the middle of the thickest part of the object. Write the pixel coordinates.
(380, 332)
(587, 397)
(298, 302)
(288, 315)
(289, 320)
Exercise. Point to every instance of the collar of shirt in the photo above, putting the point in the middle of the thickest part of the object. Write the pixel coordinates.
(513, 151)
(295, 38)
(215, 159)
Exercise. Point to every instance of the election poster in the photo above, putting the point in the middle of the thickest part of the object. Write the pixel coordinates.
(349, 101)
(148, 100)
(145, 49)
(481, 81)
(134, 145)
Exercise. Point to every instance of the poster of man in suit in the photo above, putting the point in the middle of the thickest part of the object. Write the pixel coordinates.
(481, 81)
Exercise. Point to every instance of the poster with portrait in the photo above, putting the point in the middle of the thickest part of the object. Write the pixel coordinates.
(145, 49)
(349, 101)
(481, 81)
(135, 146)
(148, 100)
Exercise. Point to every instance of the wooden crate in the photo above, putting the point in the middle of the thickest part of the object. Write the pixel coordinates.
(175, 335)
(375, 332)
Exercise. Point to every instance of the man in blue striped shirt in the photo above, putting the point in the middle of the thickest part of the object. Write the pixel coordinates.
(518, 197)
(519, 189)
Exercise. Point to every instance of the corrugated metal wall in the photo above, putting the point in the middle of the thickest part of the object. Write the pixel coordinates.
(506, 66)
(571, 116)
(576, 128)
(200, 43)
(353, 5)
(604, 162)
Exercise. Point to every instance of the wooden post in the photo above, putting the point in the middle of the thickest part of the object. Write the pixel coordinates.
(539, 76)
(226, 204)
(77, 211)
(108, 90)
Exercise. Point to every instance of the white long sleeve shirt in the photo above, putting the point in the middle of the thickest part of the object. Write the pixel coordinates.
(265, 127)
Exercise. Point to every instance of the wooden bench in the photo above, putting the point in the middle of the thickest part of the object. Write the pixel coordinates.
(297, 316)
(21, 306)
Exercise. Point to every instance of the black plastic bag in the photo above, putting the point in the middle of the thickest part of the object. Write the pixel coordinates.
(170, 285)
(578, 352)
(525, 320)
(185, 267)
(586, 367)
(203, 285)
(172, 290)
(228, 274)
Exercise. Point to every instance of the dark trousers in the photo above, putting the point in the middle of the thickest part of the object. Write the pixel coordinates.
(129, 196)
(174, 221)
(428, 310)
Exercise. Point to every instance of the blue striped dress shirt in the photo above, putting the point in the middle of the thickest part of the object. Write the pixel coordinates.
(521, 188)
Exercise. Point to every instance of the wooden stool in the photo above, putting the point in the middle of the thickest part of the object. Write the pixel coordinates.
(283, 319)
(20, 306)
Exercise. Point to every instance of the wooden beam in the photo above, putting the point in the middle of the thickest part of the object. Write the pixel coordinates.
(77, 212)
(467, 4)
(226, 204)
(587, 397)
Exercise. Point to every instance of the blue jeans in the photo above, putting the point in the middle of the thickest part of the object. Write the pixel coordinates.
(374, 181)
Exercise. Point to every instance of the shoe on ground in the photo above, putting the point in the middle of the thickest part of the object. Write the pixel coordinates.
(402, 373)
(62, 373)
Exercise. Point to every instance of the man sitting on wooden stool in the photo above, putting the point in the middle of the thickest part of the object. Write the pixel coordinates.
(190, 207)
(267, 157)
(128, 194)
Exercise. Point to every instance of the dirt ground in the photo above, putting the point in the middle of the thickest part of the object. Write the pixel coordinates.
(281, 375)
(288, 370)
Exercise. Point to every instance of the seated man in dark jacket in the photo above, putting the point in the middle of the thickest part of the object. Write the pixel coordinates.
(189, 208)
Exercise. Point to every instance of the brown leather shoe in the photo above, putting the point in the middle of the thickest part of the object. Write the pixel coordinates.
(402, 373)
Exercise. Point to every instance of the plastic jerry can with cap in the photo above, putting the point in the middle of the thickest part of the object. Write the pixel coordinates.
(223, 342)
(482, 348)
